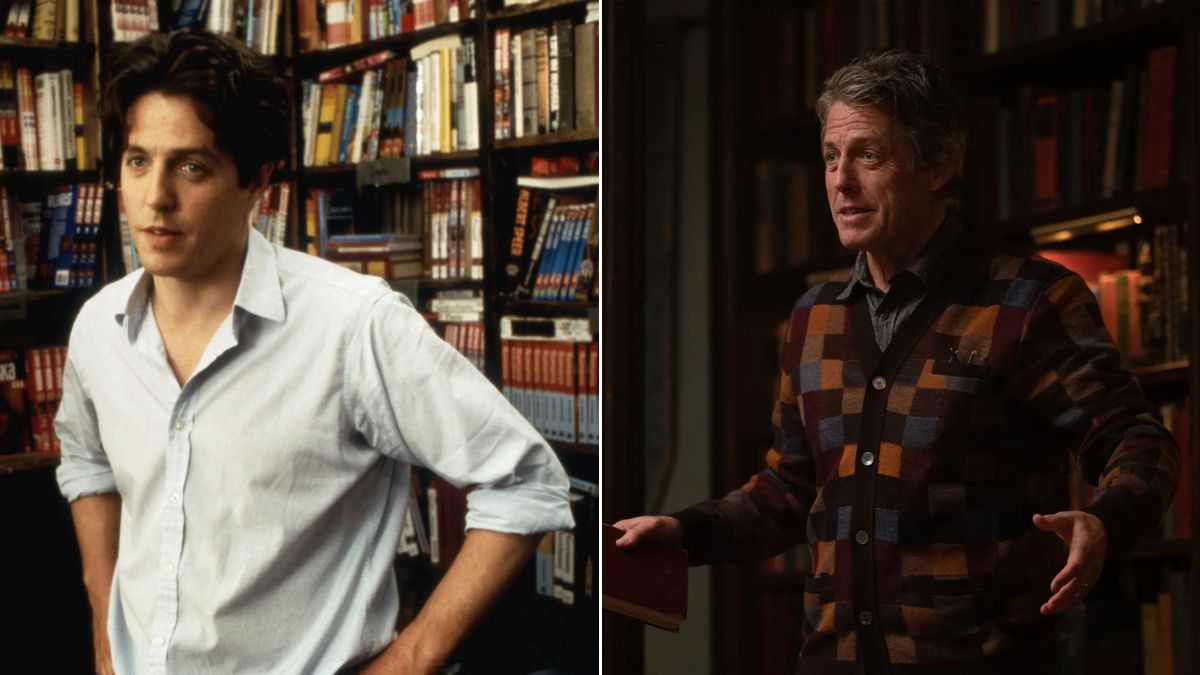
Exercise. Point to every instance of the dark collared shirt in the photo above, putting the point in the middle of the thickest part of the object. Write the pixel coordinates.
(908, 286)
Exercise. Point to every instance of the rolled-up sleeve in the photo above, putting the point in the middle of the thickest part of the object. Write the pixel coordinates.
(84, 469)
(418, 400)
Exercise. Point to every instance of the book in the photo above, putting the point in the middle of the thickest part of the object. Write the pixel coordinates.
(647, 583)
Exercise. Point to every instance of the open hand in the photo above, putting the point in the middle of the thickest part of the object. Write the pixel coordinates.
(1087, 547)
(657, 529)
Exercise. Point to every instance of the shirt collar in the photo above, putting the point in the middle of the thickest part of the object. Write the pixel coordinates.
(927, 267)
(259, 290)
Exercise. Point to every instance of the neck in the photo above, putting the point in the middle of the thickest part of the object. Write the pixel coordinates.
(181, 301)
(884, 262)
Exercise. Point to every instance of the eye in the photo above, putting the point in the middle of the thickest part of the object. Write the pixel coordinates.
(871, 156)
(831, 158)
(135, 161)
(192, 168)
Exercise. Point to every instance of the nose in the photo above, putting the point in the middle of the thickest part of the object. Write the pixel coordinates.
(160, 196)
(843, 177)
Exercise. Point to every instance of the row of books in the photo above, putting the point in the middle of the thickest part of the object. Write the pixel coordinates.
(555, 385)
(1049, 150)
(1166, 622)
(553, 253)
(327, 24)
(384, 106)
(436, 230)
(133, 19)
(1145, 307)
(54, 20)
(255, 22)
(546, 79)
(270, 213)
(1009, 23)
(788, 207)
(467, 338)
(565, 562)
(52, 244)
(43, 126)
(30, 389)
(798, 45)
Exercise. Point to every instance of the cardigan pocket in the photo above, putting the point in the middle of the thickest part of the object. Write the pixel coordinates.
(972, 370)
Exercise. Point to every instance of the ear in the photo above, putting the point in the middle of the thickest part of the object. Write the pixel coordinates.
(261, 179)
(941, 174)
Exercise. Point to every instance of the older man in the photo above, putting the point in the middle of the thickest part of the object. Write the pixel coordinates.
(928, 404)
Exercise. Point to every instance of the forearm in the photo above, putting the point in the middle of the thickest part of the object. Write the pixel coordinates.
(97, 528)
(484, 568)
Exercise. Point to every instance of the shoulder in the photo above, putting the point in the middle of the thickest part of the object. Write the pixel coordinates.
(826, 292)
(320, 281)
(1016, 276)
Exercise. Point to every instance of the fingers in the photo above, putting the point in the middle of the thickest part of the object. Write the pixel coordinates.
(658, 529)
(1058, 523)
(1070, 595)
(633, 534)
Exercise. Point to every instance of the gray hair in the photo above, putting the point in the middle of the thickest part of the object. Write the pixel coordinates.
(911, 90)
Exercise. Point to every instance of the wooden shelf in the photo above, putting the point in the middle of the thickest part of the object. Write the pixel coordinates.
(1113, 40)
(1161, 374)
(445, 158)
(26, 462)
(534, 8)
(73, 176)
(545, 307)
(309, 64)
(540, 140)
(1158, 205)
(577, 448)
(29, 46)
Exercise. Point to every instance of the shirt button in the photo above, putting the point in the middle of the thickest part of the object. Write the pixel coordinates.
(879, 383)
(169, 568)
(180, 425)
(174, 497)
(160, 640)
(865, 618)
(868, 458)
(862, 537)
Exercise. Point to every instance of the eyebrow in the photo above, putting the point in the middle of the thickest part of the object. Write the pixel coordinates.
(876, 139)
(176, 153)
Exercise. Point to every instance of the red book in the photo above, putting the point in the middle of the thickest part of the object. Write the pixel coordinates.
(1045, 152)
(647, 583)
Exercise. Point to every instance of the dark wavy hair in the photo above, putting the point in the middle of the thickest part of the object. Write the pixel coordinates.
(236, 91)
(913, 91)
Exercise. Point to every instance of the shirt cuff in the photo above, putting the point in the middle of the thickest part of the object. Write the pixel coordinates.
(74, 485)
(519, 509)
(1118, 512)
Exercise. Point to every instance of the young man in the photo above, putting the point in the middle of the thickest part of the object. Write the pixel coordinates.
(928, 404)
(239, 420)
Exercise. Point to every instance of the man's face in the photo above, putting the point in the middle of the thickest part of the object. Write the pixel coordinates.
(187, 215)
(877, 194)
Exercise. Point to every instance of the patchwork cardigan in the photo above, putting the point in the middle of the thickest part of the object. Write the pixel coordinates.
(913, 474)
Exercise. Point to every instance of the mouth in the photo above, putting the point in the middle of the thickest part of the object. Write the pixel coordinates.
(851, 215)
(161, 236)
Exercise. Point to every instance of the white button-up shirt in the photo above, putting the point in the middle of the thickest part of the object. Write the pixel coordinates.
(263, 500)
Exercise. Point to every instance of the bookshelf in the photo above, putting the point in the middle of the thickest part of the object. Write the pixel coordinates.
(36, 313)
(767, 136)
(526, 631)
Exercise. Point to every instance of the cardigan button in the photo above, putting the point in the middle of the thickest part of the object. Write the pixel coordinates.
(879, 383)
(868, 458)
(865, 618)
(862, 537)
